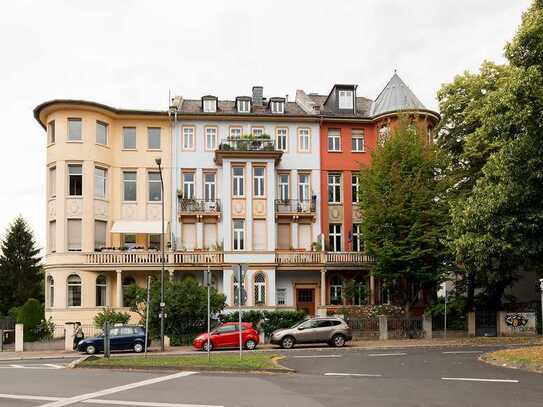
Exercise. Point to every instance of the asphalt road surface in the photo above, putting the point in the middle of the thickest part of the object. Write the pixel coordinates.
(325, 377)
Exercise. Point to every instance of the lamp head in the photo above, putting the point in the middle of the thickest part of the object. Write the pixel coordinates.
(158, 161)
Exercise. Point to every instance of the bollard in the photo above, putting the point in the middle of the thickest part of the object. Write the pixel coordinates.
(427, 326)
(1, 340)
(19, 338)
(471, 324)
(383, 328)
(69, 337)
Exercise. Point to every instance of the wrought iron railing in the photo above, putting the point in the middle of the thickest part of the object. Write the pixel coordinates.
(247, 144)
(199, 205)
(286, 206)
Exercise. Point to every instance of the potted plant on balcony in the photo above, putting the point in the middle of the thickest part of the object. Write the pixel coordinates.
(316, 246)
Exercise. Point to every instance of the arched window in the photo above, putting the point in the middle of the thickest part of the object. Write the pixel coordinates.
(50, 291)
(101, 291)
(235, 287)
(359, 291)
(127, 282)
(336, 286)
(74, 290)
(260, 289)
(382, 135)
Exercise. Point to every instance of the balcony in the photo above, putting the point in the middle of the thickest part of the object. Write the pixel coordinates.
(348, 258)
(151, 258)
(329, 259)
(199, 207)
(299, 257)
(247, 147)
(295, 208)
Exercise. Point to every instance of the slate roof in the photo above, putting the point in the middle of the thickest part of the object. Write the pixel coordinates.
(228, 107)
(394, 97)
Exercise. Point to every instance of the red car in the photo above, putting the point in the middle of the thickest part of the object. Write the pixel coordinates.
(227, 336)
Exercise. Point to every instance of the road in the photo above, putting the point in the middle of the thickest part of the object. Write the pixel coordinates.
(325, 377)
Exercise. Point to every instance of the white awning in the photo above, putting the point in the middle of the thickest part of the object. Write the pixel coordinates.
(137, 226)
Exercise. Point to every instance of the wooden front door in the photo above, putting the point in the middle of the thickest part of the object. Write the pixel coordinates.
(305, 300)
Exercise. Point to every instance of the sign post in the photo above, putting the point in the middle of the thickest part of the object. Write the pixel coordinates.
(207, 283)
(106, 340)
(147, 313)
(445, 314)
(541, 287)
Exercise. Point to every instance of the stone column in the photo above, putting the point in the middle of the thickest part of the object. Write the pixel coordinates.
(171, 274)
(68, 337)
(383, 328)
(323, 287)
(294, 235)
(119, 288)
(427, 326)
(471, 323)
(19, 339)
(249, 206)
(200, 233)
(372, 289)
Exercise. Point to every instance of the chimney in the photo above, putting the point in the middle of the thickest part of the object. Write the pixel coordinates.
(258, 95)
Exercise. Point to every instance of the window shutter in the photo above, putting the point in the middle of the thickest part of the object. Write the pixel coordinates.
(74, 234)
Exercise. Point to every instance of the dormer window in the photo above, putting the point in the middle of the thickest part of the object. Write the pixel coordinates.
(278, 107)
(209, 105)
(244, 105)
(345, 99)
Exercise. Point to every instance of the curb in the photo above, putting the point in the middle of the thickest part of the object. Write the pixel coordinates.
(73, 364)
(486, 358)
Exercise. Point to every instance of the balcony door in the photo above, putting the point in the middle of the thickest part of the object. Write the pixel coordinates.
(305, 300)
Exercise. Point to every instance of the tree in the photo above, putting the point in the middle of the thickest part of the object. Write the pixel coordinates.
(30, 315)
(20, 268)
(111, 316)
(497, 225)
(404, 214)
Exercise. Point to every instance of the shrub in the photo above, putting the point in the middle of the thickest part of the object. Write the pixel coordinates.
(268, 321)
(112, 316)
(30, 315)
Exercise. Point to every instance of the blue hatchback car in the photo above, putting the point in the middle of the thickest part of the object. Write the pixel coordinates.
(121, 338)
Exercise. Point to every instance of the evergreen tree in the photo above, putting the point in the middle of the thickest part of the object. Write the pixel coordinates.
(20, 268)
(404, 214)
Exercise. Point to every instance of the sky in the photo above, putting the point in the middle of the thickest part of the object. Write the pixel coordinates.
(131, 54)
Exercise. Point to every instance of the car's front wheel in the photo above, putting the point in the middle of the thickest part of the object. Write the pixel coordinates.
(90, 349)
(338, 341)
(204, 348)
(138, 347)
(287, 342)
(250, 344)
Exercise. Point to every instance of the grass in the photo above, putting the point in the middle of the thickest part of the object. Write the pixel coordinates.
(230, 361)
(530, 358)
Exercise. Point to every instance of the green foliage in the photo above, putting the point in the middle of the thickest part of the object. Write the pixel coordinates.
(405, 215)
(111, 316)
(384, 309)
(353, 289)
(268, 321)
(20, 268)
(45, 330)
(30, 315)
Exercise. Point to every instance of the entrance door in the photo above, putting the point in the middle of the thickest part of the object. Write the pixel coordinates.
(305, 300)
(486, 323)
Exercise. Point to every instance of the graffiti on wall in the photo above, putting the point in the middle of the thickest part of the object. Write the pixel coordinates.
(520, 322)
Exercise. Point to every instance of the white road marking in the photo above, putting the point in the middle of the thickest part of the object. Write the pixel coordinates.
(461, 351)
(469, 379)
(17, 366)
(316, 356)
(44, 366)
(103, 401)
(387, 354)
(105, 392)
(53, 365)
(353, 374)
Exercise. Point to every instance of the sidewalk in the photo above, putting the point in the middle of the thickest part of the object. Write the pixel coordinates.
(363, 344)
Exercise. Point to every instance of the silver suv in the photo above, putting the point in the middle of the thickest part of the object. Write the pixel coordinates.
(333, 331)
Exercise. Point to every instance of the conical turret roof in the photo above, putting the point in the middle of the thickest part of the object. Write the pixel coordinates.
(396, 96)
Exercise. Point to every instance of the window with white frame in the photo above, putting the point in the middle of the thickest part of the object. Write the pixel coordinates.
(282, 138)
(244, 105)
(336, 286)
(334, 188)
(101, 291)
(358, 141)
(75, 179)
(100, 182)
(209, 186)
(355, 188)
(238, 181)
(101, 132)
(334, 237)
(239, 234)
(153, 138)
(258, 181)
(345, 99)
(358, 244)
(50, 292)
(129, 241)
(281, 296)
(154, 186)
(257, 131)
(303, 187)
(211, 138)
(334, 140)
(278, 107)
(210, 105)
(129, 186)
(51, 136)
(129, 138)
(74, 129)
(304, 140)
(260, 289)
(100, 234)
(52, 236)
(154, 241)
(284, 187)
(74, 290)
(188, 138)
(74, 235)
(235, 132)
(188, 185)
(52, 182)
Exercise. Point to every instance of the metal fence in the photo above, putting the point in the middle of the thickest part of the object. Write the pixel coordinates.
(7, 324)
(457, 325)
(364, 327)
(405, 328)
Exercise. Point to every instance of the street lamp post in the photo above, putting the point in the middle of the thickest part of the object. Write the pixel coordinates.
(162, 260)
(541, 287)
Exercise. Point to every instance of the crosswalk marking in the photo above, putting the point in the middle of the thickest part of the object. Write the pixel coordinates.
(40, 366)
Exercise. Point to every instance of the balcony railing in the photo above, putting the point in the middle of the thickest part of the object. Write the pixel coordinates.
(247, 144)
(293, 257)
(199, 206)
(348, 257)
(294, 206)
(206, 257)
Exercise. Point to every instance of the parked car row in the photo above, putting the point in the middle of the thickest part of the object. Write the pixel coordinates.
(332, 331)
